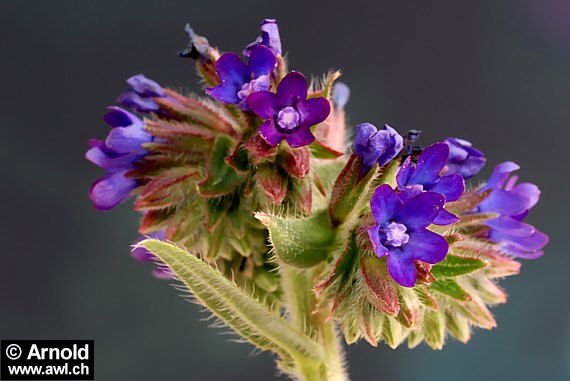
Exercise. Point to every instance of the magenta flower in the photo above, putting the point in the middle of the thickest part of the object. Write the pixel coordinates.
(289, 114)
(426, 176)
(400, 232)
(117, 155)
(238, 80)
(463, 158)
(512, 202)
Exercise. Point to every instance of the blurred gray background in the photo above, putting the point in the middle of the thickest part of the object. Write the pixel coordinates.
(494, 72)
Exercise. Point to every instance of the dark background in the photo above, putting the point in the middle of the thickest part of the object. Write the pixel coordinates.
(494, 72)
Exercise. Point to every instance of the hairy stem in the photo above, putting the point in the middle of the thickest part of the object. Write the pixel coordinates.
(300, 302)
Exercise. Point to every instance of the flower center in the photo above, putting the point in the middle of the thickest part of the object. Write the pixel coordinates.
(288, 118)
(396, 234)
(258, 84)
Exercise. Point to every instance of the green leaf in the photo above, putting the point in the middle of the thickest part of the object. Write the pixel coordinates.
(221, 178)
(248, 317)
(434, 329)
(320, 151)
(300, 242)
(454, 265)
(451, 288)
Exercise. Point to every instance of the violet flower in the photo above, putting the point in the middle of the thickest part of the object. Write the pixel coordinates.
(512, 202)
(400, 232)
(269, 37)
(117, 154)
(140, 94)
(463, 158)
(288, 114)
(426, 176)
(143, 255)
(238, 80)
(376, 146)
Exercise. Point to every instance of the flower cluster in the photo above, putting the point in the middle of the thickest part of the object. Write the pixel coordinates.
(394, 241)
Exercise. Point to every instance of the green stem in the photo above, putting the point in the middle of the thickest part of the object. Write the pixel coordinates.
(300, 302)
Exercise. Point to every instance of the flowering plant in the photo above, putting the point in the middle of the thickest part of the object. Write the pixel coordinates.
(253, 200)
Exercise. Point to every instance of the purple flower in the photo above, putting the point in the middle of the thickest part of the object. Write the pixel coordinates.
(141, 93)
(426, 176)
(269, 37)
(198, 48)
(289, 114)
(463, 158)
(238, 80)
(117, 154)
(376, 146)
(400, 232)
(142, 254)
(512, 202)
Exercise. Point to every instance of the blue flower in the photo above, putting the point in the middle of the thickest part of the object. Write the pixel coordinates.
(463, 158)
(269, 37)
(340, 95)
(376, 146)
(117, 155)
(141, 93)
(426, 176)
(400, 232)
(512, 202)
(239, 80)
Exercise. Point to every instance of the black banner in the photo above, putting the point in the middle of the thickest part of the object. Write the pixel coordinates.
(47, 360)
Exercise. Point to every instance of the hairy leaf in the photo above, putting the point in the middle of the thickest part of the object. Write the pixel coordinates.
(248, 317)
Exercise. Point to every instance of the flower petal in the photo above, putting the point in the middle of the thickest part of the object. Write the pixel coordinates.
(451, 186)
(504, 202)
(269, 133)
(405, 172)
(111, 190)
(426, 246)
(118, 117)
(445, 218)
(516, 251)
(262, 61)
(511, 226)
(230, 68)
(384, 204)
(225, 93)
(300, 137)
(133, 100)
(379, 249)
(127, 139)
(531, 191)
(430, 164)
(101, 156)
(313, 111)
(402, 268)
(500, 175)
(533, 242)
(145, 87)
(421, 210)
(270, 35)
(291, 89)
(263, 103)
